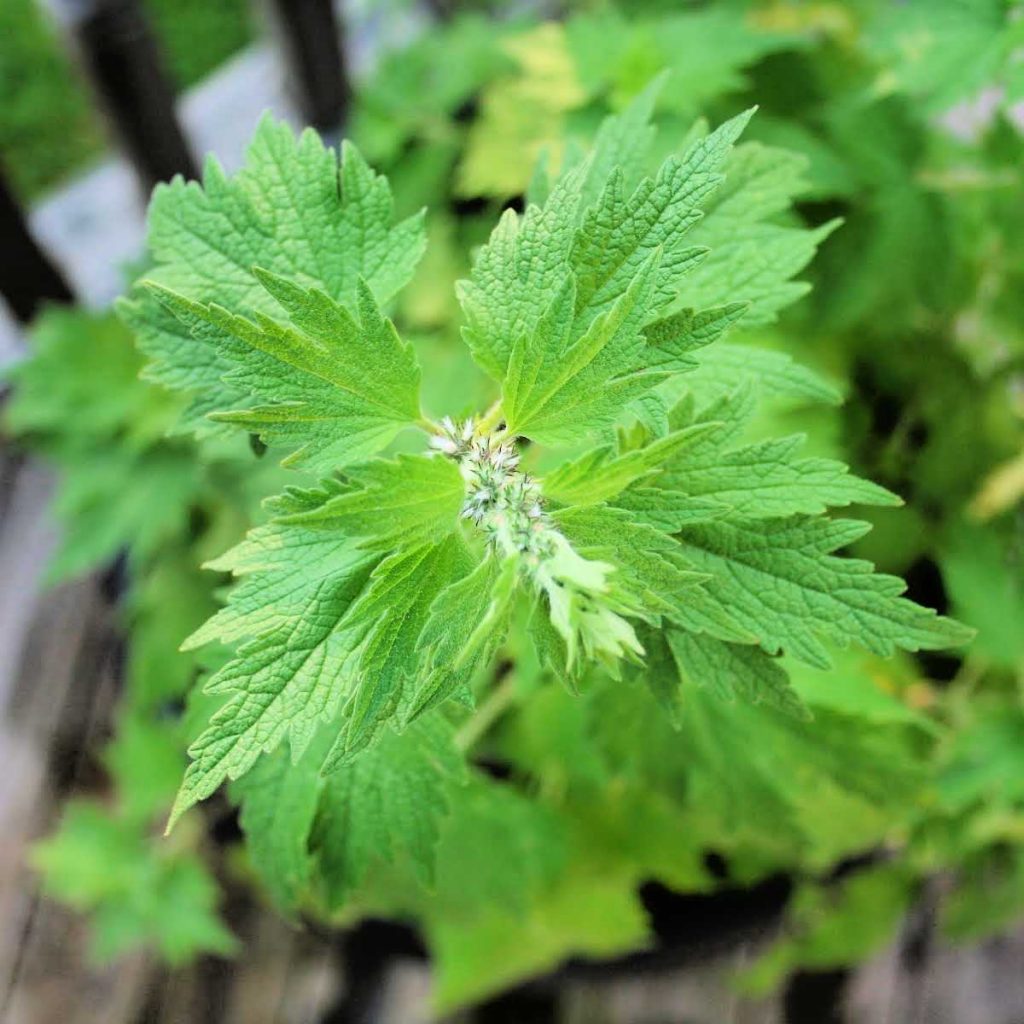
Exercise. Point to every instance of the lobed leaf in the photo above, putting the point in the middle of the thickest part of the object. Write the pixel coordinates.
(331, 388)
(292, 210)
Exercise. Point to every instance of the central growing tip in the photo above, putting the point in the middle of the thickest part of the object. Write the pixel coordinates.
(506, 504)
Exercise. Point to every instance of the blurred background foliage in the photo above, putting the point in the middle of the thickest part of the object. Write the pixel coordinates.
(909, 120)
(50, 128)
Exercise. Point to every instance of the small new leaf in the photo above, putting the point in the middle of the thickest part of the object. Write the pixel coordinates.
(561, 387)
(467, 623)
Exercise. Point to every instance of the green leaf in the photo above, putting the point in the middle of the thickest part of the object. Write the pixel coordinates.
(291, 210)
(332, 388)
(734, 671)
(987, 590)
(759, 782)
(984, 762)
(327, 621)
(144, 759)
(301, 608)
(178, 362)
(651, 576)
(763, 480)
(137, 893)
(78, 400)
(297, 665)
(519, 114)
(620, 233)
(520, 273)
(497, 849)
(833, 927)
(467, 624)
(560, 388)
(279, 798)
(418, 86)
(704, 51)
(391, 614)
(167, 600)
(779, 580)
(623, 144)
(602, 474)
(949, 52)
(412, 500)
(590, 912)
(392, 800)
(725, 365)
(673, 338)
(84, 370)
(154, 489)
(751, 258)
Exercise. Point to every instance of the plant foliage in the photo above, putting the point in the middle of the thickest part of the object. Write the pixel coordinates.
(554, 490)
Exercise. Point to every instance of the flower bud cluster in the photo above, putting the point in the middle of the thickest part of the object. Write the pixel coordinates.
(503, 501)
(506, 504)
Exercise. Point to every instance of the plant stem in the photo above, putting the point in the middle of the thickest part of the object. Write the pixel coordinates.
(490, 419)
(487, 713)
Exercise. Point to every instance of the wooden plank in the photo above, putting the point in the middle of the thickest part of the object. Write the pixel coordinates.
(978, 983)
(57, 683)
(698, 992)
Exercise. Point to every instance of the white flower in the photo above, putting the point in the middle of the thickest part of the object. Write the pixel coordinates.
(506, 505)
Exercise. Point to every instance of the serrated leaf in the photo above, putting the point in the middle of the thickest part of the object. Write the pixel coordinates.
(295, 669)
(332, 388)
(623, 144)
(652, 578)
(179, 363)
(560, 388)
(291, 210)
(391, 614)
(279, 800)
(766, 480)
(327, 621)
(620, 233)
(725, 365)
(649, 566)
(673, 338)
(751, 258)
(391, 800)
(734, 671)
(467, 622)
(408, 501)
(519, 273)
(602, 474)
(762, 480)
(779, 580)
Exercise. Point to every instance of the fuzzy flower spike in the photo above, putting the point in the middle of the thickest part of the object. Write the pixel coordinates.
(505, 503)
